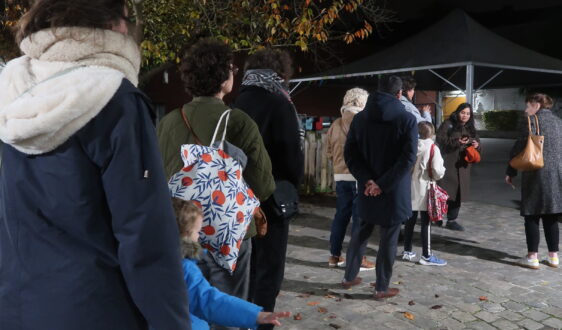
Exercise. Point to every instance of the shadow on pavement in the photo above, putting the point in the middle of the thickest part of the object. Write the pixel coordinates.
(453, 245)
(321, 244)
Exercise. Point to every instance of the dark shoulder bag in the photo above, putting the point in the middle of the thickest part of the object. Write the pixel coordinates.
(285, 199)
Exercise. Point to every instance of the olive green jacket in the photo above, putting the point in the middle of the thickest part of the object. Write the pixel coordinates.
(203, 114)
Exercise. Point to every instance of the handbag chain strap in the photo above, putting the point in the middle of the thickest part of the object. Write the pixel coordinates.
(186, 121)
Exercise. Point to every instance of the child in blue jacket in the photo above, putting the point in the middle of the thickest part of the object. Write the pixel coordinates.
(206, 303)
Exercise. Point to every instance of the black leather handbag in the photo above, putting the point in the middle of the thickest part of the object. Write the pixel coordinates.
(285, 199)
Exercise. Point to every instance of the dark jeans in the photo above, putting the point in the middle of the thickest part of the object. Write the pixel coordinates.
(346, 193)
(425, 232)
(551, 233)
(236, 284)
(385, 255)
(268, 262)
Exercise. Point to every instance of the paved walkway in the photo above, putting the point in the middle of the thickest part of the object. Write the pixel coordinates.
(480, 288)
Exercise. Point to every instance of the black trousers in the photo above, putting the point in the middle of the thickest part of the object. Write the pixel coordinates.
(425, 232)
(385, 256)
(551, 233)
(268, 262)
(454, 207)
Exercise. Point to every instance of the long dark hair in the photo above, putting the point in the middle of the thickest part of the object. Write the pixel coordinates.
(457, 125)
(45, 14)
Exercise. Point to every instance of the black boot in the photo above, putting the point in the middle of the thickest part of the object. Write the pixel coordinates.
(454, 225)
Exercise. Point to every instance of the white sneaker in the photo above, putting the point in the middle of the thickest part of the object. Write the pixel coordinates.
(529, 263)
(551, 262)
(408, 255)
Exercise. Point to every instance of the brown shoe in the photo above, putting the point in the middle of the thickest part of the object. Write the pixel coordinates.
(366, 265)
(347, 285)
(381, 295)
(334, 261)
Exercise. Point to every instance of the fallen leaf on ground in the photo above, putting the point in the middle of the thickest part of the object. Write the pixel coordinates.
(335, 326)
(436, 296)
(297, 317)
(329, 296)
(411, 303)
(436, 307)
(339, 299)
(372, 284)
(332, 316)
(322, 310)
(483, 298)
(397, 283)
(313, 303)
(409, 315)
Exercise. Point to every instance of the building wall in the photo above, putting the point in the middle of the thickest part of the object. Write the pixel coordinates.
(499, 99)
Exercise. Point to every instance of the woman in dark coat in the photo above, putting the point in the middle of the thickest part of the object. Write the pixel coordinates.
(541, 190)
(88, 239)
(453, 137)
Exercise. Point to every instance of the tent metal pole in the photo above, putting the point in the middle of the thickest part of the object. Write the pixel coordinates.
(439, 110)
(445, 80)
(470, 83)
(294, 88)
(489, 80)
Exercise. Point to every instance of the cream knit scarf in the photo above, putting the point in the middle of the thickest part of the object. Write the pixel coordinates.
(64, 79)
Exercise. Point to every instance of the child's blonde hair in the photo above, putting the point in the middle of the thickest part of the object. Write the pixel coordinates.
(426, 130)
(187, 213)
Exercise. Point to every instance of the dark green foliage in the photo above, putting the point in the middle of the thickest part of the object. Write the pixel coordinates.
(502, 120)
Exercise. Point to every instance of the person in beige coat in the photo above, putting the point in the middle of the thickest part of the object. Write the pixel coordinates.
(346, 186)
(420, 185)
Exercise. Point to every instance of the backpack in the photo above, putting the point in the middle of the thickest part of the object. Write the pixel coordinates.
(212, 179)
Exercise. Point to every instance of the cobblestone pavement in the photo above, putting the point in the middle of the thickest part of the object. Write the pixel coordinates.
(481, 287)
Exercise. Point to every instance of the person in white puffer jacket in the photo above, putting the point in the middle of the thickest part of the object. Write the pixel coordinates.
(420, 185)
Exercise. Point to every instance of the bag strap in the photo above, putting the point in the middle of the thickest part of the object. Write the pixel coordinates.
(227, 115)
(537, 128)
(430, 161)
(189, 127)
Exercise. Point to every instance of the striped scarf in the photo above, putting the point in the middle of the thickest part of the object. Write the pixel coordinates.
(272, 82)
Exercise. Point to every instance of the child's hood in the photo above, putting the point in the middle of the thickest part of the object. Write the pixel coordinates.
(424, 145)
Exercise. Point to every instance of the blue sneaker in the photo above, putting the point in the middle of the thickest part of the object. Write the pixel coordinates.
(432, 261)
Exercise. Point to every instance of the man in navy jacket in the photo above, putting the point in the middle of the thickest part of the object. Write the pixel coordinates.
(380, 151)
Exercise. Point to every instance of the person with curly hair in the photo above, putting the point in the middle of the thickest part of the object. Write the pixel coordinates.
(208, 71)
(265, 98)
(88, 238)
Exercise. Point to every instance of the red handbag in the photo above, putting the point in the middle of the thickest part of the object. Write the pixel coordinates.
(471, 155)
(436, 196)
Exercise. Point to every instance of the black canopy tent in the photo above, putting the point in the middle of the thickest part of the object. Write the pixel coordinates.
(456, 53)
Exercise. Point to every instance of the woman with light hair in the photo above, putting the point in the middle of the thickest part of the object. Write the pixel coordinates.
(354, 101)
